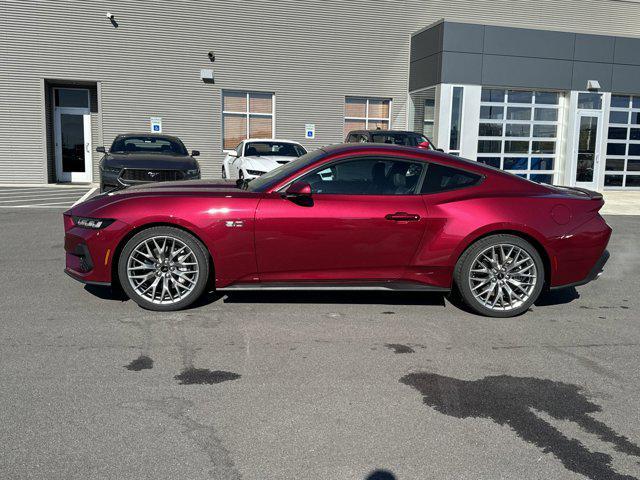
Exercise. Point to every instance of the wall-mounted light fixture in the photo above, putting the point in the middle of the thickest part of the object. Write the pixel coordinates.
(593, 85)
(212, 56)
(206, 75)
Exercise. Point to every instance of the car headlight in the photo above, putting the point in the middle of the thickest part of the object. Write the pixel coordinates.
(193, 173)
(255, 172)
(92, 223)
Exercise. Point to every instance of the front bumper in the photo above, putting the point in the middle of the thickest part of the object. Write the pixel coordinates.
(89, 253)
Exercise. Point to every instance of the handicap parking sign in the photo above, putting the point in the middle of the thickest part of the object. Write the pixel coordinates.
(156, 124)
(310, 131)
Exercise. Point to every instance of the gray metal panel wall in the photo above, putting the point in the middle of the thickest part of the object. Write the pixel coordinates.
(517, 57)
(311, 54)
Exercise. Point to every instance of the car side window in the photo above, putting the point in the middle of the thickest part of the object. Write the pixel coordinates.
(366, 176)
(441, 178)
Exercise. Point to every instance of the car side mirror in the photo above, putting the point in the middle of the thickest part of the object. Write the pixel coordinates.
(298, 189)
(233, 153)
(195, 153)
(426, 145)
(101, 150)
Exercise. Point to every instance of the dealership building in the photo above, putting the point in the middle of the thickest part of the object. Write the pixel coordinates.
(549, 90)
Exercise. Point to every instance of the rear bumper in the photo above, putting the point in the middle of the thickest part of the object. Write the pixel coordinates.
(595, 272)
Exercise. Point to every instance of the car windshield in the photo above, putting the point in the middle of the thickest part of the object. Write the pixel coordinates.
(406, 139)
(284, 149)
(269, 179)
(148, 144)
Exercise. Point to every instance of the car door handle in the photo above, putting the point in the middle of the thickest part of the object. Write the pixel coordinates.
(403, 217)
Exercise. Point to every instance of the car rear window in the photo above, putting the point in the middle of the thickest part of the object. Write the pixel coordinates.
(441, 178)
(404, 139)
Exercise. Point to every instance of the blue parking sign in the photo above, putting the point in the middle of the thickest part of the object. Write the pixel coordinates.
(310, 131)
(156, 124)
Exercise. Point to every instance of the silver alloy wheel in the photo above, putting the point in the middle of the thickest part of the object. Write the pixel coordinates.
(503, 277)
(162, 269)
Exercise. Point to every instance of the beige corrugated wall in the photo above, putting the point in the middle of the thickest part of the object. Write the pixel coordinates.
(310, 53)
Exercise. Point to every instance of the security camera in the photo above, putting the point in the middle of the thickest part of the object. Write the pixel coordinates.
(212, 56)
(110, 15)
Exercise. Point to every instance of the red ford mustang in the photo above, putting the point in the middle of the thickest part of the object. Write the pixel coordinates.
(344, 217)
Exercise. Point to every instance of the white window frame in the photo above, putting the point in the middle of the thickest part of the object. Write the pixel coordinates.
(367, 118)
(556, 156)
(450, 123)
(625, 172)
(248, 113)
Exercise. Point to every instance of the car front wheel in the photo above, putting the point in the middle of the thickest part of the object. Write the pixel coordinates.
(500, 276)
(163, 268)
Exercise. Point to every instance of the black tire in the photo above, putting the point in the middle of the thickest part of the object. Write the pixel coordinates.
(462, 274)
(199, 251)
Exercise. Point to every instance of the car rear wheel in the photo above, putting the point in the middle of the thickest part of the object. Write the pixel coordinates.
(163, 268)
(500, 276)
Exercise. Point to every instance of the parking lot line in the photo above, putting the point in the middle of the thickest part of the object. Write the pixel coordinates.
(85, 196)
(43, 197)
(36, 196)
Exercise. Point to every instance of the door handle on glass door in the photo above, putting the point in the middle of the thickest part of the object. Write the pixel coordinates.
(87, 147)
(403, 217)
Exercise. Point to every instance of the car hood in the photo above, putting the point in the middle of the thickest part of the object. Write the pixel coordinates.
(156, 161)
(204, 188)
(266, 163)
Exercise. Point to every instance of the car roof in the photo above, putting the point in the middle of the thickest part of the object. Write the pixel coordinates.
(145, 134)
(377, 148)
(385, 131)
(270, 140)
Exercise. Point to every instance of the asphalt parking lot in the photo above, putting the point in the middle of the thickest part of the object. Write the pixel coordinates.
(312, 385)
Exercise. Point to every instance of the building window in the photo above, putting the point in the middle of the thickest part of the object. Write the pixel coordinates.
(422, 114)
(366, 114)
(246, 115)
(622, 167)
(456, 120)
(518, 132)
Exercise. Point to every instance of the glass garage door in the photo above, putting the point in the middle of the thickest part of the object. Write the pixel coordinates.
(622, 167)
(518, 132)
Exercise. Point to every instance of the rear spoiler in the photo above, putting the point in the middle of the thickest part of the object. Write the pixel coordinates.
(580, 192)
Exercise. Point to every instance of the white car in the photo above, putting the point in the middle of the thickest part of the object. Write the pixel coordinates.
(256, 156)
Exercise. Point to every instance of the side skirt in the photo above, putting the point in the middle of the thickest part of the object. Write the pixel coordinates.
(397, 286)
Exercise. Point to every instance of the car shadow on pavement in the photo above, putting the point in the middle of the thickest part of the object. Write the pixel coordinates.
(106, 292)
(557, 297)
(337, 297)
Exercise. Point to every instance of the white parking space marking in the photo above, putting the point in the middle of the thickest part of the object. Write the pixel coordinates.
(43, 197)
(85, 196)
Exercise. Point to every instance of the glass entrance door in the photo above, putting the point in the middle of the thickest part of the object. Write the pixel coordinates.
(72, 135)
(587, 150)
